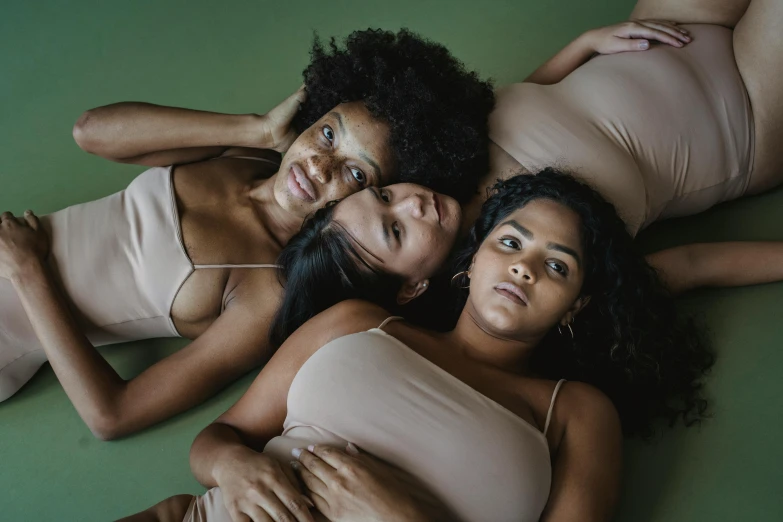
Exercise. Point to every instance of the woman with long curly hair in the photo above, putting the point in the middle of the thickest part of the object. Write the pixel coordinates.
(566, 340)
(189, 248)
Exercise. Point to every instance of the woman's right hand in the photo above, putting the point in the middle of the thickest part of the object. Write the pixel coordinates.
(254, 487)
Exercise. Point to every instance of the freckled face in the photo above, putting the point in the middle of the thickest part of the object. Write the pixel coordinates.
(403, 229)
(343, 152)
(528, 272)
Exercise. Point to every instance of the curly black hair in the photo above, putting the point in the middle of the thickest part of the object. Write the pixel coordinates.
(629, 341)
(437, 110)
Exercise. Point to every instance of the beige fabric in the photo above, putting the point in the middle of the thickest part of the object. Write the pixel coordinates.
(478, 458)
(120, 261)
(661, 133)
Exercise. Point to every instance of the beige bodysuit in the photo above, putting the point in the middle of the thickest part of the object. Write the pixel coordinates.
(477, 458)
(120, 262)
(661, 133)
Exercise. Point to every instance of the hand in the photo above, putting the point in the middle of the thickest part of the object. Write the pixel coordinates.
(277, 122)
(254, 487)
(635, 35)
(23, 242)
(350, 486)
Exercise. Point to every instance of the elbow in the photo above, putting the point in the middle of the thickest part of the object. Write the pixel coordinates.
(106, 427)
(86, 132)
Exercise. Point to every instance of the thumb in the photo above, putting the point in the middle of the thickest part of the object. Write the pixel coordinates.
(32, 220)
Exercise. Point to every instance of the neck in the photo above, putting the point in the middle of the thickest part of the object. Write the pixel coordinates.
(279, 222)
(477, 342)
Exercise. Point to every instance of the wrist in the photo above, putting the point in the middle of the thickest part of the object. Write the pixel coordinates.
(254, 132)
(29, 272)
(226, 462)
(588, 41)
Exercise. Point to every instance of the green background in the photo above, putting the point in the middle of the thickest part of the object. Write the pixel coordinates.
(59, 58)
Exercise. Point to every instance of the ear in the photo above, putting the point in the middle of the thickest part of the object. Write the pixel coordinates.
(577, 307)
(411, 291)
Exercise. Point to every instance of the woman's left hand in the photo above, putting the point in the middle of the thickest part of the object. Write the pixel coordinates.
(636, 35)
(348, 486)
(23, 242)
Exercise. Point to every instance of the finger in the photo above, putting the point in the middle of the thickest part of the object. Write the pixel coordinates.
(31, 219)
(258, 514)
(314, 464)
(277, 507)
(352, 450)
(294, 503)
(639, 31)
(674, 32)
(6, 215)
(312, 483)
(335, 457)
(669, 23)
(321, 504)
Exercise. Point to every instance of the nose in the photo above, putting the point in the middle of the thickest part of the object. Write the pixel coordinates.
(320, 169)
(522, 269)
(412, 205)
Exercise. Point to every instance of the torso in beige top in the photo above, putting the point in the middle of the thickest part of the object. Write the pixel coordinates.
(121, 262)
(663, 133)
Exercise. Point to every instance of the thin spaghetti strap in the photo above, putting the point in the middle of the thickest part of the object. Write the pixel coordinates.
(390, 319)
(552, 405)
(236, 266)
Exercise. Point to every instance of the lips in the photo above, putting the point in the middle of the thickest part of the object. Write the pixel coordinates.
(299, 184)
(513, 293)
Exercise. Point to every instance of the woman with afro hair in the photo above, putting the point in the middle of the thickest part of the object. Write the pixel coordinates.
(189, 248)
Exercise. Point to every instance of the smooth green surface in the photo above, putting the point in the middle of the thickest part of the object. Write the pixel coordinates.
(59, 58)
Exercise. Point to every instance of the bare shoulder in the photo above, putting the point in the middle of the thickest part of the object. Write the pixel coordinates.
(349, 317)
(585, 400)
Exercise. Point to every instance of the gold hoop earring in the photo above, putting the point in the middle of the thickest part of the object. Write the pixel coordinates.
(458, 274)
(560, 330)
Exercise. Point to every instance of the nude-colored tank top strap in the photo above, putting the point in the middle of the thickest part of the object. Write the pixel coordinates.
(237, 266)
(552, 405)
(390, 319)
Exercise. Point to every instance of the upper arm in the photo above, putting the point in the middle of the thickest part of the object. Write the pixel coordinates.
(587, 464)
(259, 414)
(673, 266)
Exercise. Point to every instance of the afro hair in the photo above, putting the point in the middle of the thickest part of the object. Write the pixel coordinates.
(436, 109)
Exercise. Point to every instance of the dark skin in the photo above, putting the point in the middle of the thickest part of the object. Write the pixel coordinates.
(232, 211)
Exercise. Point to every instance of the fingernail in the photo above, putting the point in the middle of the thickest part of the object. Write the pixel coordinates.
(294, 464)
(351, 449)
(296, 452)
(311, 448)
(309, 502)
(644, 45)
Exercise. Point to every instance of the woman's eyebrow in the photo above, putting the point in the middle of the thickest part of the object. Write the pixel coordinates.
(374, 165)
(527, 234)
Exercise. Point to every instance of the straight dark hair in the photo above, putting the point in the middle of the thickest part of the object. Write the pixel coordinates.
(321, 267)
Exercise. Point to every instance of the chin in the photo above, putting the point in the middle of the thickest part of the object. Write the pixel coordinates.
(502, 321)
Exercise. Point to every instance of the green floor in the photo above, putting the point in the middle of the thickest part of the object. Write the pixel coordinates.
(59, 58)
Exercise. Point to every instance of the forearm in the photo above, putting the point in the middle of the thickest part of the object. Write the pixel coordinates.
(565, 62)
(698, 265)
(131, 129)
(214, 451)
(90, 382)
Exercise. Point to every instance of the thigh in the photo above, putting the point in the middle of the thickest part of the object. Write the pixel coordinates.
(758, 47)
(718, 12)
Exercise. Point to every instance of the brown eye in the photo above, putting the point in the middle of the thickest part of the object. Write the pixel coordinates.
(510, 243)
